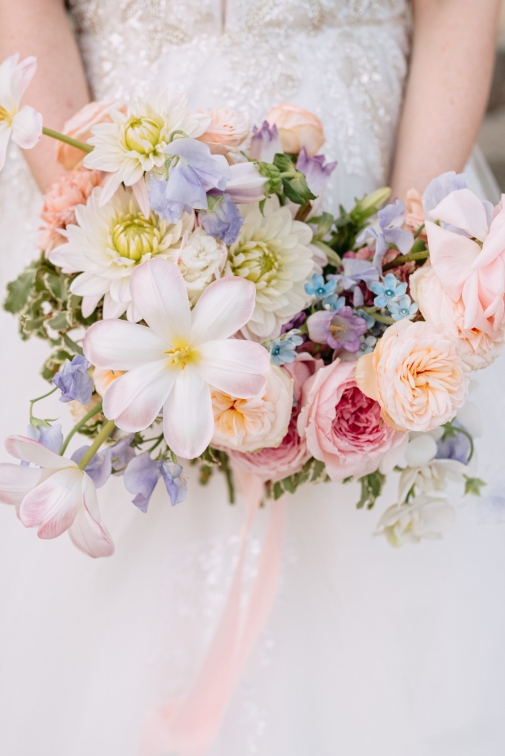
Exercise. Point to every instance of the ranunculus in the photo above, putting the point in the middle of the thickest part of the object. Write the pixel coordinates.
(416, 375)
(227, 129)
(250, 424)
(297, 128)
(79, 127)
(477, 348)
(342, 427)
(60, 202)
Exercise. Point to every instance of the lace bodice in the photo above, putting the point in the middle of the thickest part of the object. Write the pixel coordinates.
(344, 59)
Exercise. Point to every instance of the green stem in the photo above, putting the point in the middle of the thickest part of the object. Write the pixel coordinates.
(38, 399)
(96, 409)
(465, 433)
(228, 475)
(157, 443)
(380, 318)
(419, 231)
(104, 433)
(68, 140)
(421, 255)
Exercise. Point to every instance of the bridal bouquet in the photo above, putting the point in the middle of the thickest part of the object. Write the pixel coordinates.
(202, 306)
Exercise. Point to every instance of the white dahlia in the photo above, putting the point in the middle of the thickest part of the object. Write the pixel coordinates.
(134, 142)
(274, 252)
(108, 243)
(201, 261)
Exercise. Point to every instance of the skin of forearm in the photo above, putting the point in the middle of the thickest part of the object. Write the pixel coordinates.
(59, 88)
(447, 90)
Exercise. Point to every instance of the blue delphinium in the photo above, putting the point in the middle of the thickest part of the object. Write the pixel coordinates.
(390, 290)
(403, 308)
(142, 475)
(283, 350)
(74, 381)
(318, 288)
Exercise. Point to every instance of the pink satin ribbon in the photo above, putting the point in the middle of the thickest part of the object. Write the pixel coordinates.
(189, 726)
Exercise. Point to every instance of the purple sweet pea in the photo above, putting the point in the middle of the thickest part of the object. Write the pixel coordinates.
(49, 436)
(456, 447)
(224, 222)
(387, 230)
(142, 475)
(121, 454)
(98, 468)
(246, 184)
(296, 322)
(441, 187)
(74, 381)
(265, 143)
(340, 330)
(315, 171)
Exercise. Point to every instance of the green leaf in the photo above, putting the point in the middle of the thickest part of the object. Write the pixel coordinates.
(57, 285)
(371, 489)
(473, 486)
(19, 291)
(296, 189)
(284, 163)
(61, 321)
(333, 258)
(324, 223)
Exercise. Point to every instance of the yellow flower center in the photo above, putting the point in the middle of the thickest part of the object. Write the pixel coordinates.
(180, 356)
(134, 236)
(142, 134)
(5, 116)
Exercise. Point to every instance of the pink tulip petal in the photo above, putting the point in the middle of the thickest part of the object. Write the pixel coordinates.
(463, 209)
(54, 503)
(22, 447)
(234, 366)
(87, 532)
(223, 309)
(135, 399)
(451, 256)
(16, 481)
(159, 293)
(120, 345)
(7, 73)
(22, 76)
(188, 420)
(27, 127)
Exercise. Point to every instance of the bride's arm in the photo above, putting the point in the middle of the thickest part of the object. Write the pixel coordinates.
(447, 91)
(59, 89)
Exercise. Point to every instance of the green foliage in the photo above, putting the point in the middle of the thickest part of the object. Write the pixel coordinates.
(294, 182)
(312, 472)
(371, 489)
(473, 486)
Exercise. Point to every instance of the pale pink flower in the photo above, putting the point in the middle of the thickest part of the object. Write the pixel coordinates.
(342, 427)
(471, 269)
(477, 348)
(416, 375)
(303, 367)
(250, 424)
(414, 218)
(227, 129)
(297, 128)
(171, 362)
(55, 497)
(59, 206)
(79, 127)
(23, 125)
(103, 379)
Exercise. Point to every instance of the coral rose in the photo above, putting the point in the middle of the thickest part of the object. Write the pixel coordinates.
(342, 427)
(59, 206)
(297, 128)
(250, 424)
(79, 127)
(477, 348)
(227, 129)
(416, 375)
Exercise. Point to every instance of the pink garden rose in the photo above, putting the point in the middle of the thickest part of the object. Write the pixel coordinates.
(342, 427)
(228, 128)
(79, 127)
(60, 202)
(297, 128)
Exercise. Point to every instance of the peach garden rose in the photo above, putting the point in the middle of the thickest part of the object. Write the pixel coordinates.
(227, 129)
(79, 127)
(297, 128)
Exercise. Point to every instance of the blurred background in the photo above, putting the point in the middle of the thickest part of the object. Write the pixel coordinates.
(492, 135)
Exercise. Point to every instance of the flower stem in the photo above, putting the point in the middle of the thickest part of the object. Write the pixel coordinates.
(104, 433)
(420, 255)
(94, 411)
(38, 399)
(380, 318)
(225, 467)
(68, 140)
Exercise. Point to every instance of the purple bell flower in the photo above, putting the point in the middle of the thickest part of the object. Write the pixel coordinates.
(340, 330)
(224, 222)
(315, 171)
(111, 460)
(74, 381)
(142, 475)
(456, 447)
(387, 231)
(265, 143)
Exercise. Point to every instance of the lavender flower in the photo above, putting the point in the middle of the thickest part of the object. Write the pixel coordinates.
(111, 460)
(74, 381)
(142, 475)
(356, 270)
(318, 288)
(403, 308)
(441, 187)
(296, 322)
(389, 291)
(265, 143)
(456, 447)
(246, 184)
(315, 171)
(340, 330)
(224, 222)
(283, 350)
(387, 231)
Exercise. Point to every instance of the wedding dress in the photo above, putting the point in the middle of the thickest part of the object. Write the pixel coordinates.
(369, 651)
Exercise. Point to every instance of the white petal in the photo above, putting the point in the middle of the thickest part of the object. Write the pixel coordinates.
(54, 503)
(110, 187)
(135, 399)
(89, 285)
(16, 481)
(120, 345)
(27, 127)
(89, 305)
(111, 308)
(142, 196)
(5, 134)
(188, 420)
(234, 366)
(22, 75)
(22, 447)
(159, 294)
(223, 309)
(87, 532)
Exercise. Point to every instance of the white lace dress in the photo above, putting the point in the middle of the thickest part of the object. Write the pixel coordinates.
(368, 651)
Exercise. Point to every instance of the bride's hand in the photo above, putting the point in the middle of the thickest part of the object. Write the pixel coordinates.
(42, 28)
(447, 91)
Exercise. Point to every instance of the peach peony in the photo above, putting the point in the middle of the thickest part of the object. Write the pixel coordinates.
(477, 348)
(250, 424)
(79, 127)
(59, 206)
(341, 426)
(227, 129)
(416, 375)
(297, 128)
